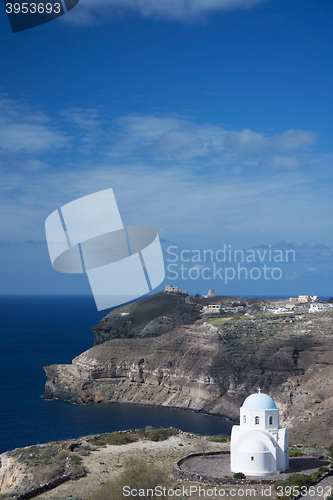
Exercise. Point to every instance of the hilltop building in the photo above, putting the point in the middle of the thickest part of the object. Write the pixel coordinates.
(259, 446)
(212, 308)
(304, 298)
(218, 308)
(211, 293)
(174, 289)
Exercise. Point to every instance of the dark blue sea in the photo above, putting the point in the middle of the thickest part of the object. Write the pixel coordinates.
(36, 331)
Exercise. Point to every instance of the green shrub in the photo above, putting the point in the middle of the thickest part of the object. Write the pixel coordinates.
(315, 475)
(295, 453)
(79, 471)
(330, 497)
(137, 475)
(294, 480)
(219, 438)
(160, 434)
(76, 459)
(330, 450)
(319, 472)
(119, 438)
(100, 441)
(84, 453)
(115, 438)
(239, 475)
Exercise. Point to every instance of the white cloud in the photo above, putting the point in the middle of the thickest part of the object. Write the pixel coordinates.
(182, 139)
(249, 142)
(293, 140)
(89, 11)
(86, 119)
(22, 129)
(89, 124)
(154, 137)
(281, 162)
(166, 137)
(186, 203)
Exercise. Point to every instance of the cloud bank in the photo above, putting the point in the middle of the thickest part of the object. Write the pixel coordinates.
(89, 11)
(181, 138)
(155, 138)
(22, 129)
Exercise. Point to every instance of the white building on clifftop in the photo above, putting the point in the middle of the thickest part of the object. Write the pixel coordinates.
(259, 446)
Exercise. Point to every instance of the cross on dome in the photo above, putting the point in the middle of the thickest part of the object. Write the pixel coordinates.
(259, 390)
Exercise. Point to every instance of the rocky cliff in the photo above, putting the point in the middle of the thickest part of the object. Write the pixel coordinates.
(176, 359)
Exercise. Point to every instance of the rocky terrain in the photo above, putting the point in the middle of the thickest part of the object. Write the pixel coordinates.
(160, 351)
(82, 468)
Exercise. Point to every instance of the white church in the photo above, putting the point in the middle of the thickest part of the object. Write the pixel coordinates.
(259, 446)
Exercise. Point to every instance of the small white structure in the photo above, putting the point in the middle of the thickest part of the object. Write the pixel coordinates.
(290, 307)
(259, 446)
(211, 293)
(281, 310)
(318, 307)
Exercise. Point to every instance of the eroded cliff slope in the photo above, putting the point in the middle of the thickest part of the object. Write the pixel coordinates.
(176, 359)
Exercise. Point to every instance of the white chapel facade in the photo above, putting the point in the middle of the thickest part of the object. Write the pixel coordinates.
(259, 446)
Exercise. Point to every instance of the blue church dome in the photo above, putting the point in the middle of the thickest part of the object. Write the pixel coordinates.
(259, 401)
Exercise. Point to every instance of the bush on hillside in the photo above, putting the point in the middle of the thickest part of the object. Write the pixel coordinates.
(295, 453)
(138, 476)
(219, 438)
(115, 438)
(330, 451)
(160, 434)
(239, 475)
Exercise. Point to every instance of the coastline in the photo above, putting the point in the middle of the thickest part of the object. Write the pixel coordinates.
(147, 405)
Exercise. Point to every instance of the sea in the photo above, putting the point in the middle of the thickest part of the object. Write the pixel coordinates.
(37, 331)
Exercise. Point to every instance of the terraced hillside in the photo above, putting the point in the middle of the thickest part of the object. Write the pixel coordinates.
(168, 355)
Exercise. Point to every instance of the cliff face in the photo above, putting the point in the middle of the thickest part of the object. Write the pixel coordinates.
(172, 369)
(13, 474)
(149, 317)
(206, 366)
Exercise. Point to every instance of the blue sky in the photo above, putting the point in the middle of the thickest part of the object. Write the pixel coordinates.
(210, 119)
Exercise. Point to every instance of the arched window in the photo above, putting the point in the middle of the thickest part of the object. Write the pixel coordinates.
(252, 458)
(256, 420)
(244, 419)
(270, 420)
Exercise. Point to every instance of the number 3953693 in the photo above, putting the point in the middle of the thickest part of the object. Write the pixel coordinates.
(32, 8)
(318, 490)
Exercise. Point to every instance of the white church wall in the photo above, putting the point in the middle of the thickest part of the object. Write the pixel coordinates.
(257, 453)
(259, 447)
